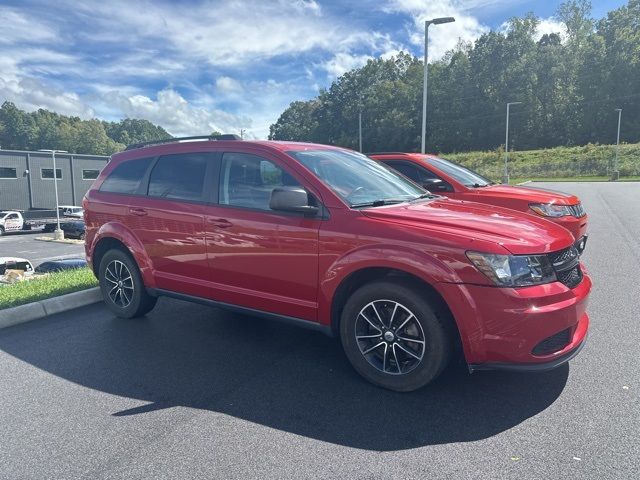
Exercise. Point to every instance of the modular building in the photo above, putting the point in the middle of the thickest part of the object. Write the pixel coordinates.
(26, 178)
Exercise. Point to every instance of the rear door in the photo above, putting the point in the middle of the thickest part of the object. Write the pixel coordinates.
(168, 219)
(260, 258)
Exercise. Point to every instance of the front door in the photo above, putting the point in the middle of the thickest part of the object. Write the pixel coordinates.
(260, 258)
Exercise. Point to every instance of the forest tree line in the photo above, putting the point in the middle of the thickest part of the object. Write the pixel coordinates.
(20, 130)
(569, 83)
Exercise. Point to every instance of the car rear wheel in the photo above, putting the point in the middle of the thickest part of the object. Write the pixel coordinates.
(393, 336)
(122, 287)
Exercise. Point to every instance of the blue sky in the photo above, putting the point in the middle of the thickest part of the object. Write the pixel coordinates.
(198, 66)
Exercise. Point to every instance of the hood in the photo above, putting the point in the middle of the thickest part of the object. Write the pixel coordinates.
(528, 194)
(520, 233)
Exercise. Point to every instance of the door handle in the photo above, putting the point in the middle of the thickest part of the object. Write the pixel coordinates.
(140, 212)
(220, 222)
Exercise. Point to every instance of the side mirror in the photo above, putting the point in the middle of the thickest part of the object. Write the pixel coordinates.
(292, 199)
(436, 185)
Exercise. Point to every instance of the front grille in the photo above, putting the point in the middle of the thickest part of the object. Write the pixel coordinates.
(554, 343)
(559, 259)
(571, 278)
(566, 264)
(577, 210)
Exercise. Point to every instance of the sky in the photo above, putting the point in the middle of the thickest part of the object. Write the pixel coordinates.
(198, 66)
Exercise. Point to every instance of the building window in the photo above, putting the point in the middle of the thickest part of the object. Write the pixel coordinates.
(47, 173)
(8, 172)
(90, 174)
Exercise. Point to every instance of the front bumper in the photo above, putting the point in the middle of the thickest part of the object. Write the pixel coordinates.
(503, 327)
(577, 226)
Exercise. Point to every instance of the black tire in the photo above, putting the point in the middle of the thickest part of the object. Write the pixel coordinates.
(417, 318)
(49, 228)
(1, 231)
(119, 272)
(81, 236)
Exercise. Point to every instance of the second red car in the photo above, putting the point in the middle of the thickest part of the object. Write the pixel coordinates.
(455, 181)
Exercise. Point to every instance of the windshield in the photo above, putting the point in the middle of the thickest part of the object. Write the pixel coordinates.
(357, 179)
(462, 174)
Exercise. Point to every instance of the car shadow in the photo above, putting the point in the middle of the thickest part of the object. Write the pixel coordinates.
(276, 375)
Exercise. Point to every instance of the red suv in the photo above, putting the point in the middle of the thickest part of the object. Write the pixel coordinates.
(455, 181)
(329, 239)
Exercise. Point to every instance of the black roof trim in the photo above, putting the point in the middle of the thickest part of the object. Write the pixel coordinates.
(390, 153)
(224, 136)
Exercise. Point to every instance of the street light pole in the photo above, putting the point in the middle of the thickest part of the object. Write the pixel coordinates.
(360, 124)
(435, 21)
(505, 175)
(616, 171)
(58, 234)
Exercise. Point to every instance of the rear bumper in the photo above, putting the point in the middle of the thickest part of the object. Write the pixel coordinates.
(506, 327)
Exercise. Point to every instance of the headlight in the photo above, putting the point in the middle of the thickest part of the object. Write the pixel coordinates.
(550, 209)
(514, 270)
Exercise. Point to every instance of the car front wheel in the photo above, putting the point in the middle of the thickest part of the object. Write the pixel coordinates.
(393, 336)
(122, 287)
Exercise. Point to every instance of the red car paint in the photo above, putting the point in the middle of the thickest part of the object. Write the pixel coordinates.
(293, 266)
(514, 197)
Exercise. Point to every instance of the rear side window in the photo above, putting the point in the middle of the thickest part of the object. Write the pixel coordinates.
(179, 177)
(125, 178)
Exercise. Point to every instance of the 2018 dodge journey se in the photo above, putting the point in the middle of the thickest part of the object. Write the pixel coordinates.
(330, 239)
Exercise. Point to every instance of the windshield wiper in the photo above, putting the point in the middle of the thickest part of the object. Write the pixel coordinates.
(477, 185)
(379, 203)
(424, 195)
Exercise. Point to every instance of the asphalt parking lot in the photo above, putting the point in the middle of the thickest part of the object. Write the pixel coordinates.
(194, 392)
(25, 245)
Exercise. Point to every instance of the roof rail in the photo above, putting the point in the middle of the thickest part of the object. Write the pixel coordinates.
(224, 136)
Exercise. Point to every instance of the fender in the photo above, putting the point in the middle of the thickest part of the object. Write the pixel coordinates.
(119, 231)
(419, 264)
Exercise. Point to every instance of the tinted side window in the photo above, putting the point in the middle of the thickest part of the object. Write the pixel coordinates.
(125, 178)
(179, 176)
(407, 169)
(248, 180)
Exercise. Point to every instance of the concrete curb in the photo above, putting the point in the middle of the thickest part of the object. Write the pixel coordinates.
(40, 309)
(524, 183)
(69, 241)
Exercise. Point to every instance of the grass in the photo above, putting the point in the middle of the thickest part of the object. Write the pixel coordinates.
(516, 180)
(585, 163)
(52, 285)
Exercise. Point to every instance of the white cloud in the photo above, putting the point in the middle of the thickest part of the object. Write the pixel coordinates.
(441, 37)
(228, 85)
(19, 28)
(176, 114)
(342, 62)
(222, 34)
(548, 26)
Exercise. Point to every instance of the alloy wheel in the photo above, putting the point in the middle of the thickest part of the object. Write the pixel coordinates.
(120, 283)
(390, 337)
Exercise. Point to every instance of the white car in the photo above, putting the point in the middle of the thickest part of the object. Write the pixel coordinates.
(14, 263)
(71, 211)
